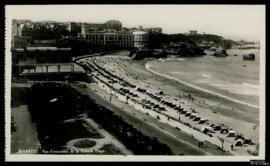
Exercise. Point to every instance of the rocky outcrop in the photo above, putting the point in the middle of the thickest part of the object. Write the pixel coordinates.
(250, 57)
(147, 53)
(184, 49)
(220, 53)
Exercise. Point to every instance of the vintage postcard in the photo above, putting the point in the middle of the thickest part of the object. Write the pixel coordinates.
(135, 82)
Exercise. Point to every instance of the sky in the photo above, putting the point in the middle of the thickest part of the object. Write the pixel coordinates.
(230, 21)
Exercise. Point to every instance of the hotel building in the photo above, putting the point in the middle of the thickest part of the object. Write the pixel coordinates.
(110, 39)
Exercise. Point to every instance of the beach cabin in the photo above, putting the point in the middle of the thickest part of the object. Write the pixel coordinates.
(174, 106)
(183, 112)
(217, 128)
(192, 115)
(239, 136)
(162, 109)
(152, 104)
(197, 118)
(248, 141)
(202, 121)
(224, 131)
(238, 142)
(148, 107)
(170, 105)
(231, 133)
(205, 129)
(187, 114)
(179, 109)
(161, 93)
(156, 106)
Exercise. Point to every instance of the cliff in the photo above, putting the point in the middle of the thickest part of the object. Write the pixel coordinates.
(158, 40)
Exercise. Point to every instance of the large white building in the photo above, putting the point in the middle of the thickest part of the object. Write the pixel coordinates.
(110, 39)
(137, 39)
(112, 34)
(140, 39)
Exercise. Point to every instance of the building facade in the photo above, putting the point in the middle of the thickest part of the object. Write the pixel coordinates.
(110, 39)
(92, 27)
(33, 60)
(114, 25)
(121, 39)
(20, 42)
(74, 29)
(140, 39)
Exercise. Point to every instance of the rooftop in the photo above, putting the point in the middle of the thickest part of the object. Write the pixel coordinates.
(42, 49)
(139, 32)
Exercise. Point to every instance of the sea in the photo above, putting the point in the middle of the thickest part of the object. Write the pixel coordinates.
(230, 77)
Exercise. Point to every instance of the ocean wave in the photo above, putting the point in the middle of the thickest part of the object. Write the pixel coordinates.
(148, 67)
(251, 85)
(206, 75)
(171, 59)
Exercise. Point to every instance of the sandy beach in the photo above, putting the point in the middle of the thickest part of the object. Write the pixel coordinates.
(241, 118)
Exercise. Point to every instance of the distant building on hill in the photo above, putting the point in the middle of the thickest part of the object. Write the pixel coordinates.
(153, 30)
(108, 34)
(193, 32)
(113, 24)
(91, 27)
(74, 29)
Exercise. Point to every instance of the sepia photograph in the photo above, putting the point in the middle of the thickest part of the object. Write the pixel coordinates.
(134, 82)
